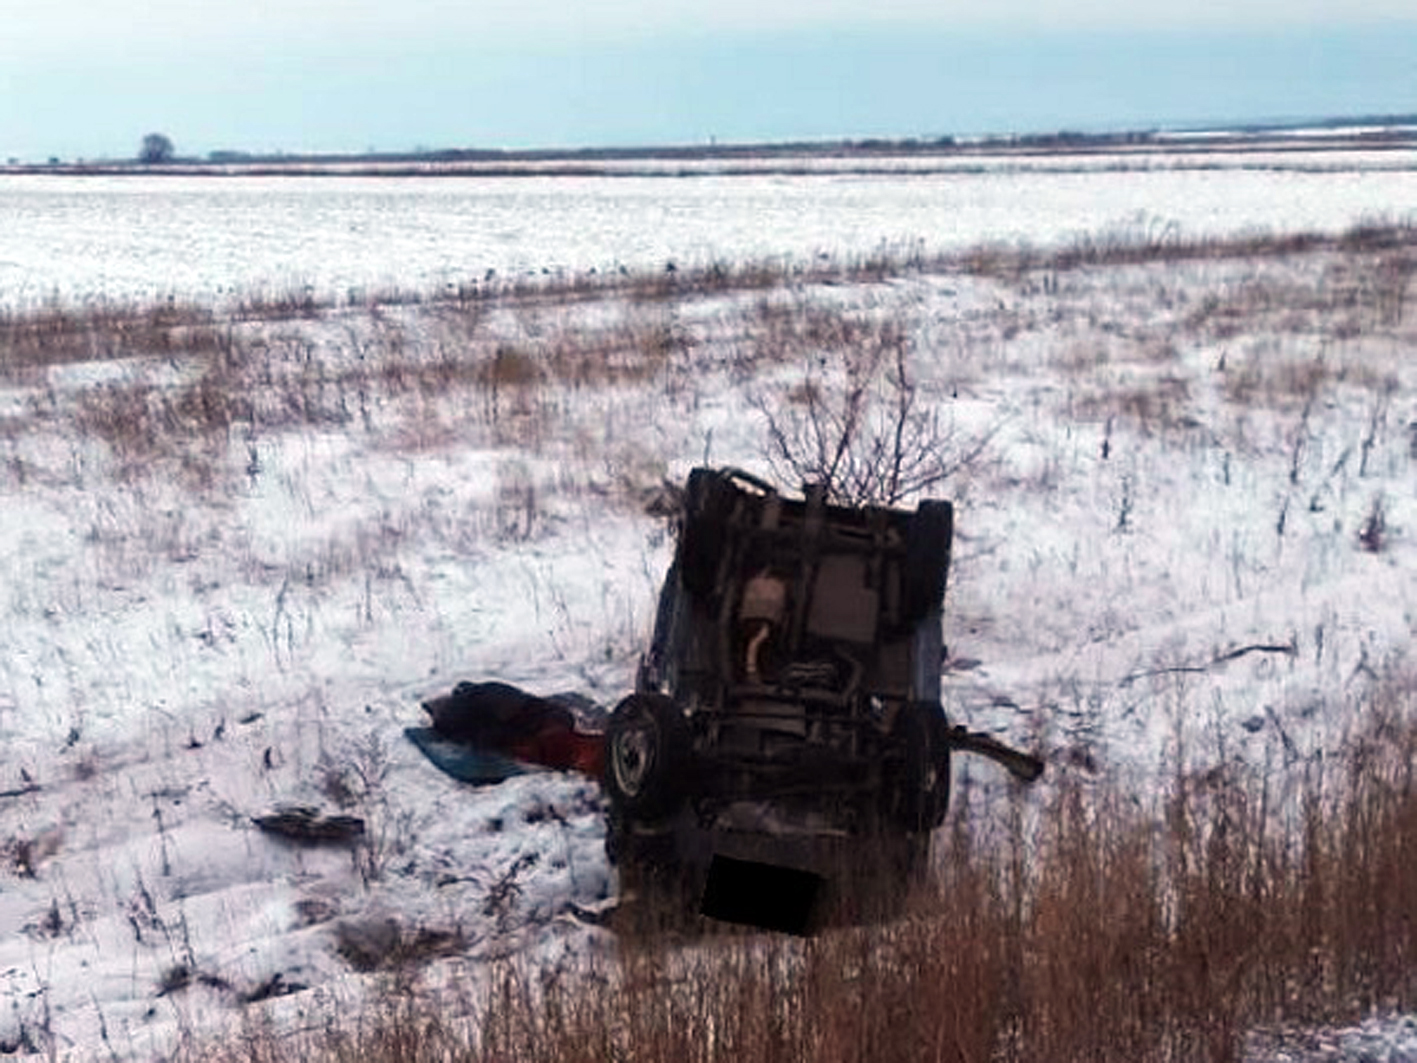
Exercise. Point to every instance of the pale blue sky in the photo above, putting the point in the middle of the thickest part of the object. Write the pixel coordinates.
(87, 78)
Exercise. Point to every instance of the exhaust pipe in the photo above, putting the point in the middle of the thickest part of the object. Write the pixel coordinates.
(1023, 766)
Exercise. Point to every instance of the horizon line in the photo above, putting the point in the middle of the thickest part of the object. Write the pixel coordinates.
(1366, 129)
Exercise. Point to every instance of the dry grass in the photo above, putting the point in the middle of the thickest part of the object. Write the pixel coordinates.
(498, 361)
(1114, 929)
(1155, 407)
(59, 335)
(56, 333)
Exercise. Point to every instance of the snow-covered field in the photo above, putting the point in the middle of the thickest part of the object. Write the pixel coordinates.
(150, 237)
(227, 580)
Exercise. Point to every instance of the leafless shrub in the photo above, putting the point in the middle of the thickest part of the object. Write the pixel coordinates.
(505, 892)
(1155, 240)
(856, 425)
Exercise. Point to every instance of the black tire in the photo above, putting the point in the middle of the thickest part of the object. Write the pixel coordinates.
(631, 851)
(927, 559)
(942, 751)
(657, 663)
(647, 750)
(708, 505)
(917, 792)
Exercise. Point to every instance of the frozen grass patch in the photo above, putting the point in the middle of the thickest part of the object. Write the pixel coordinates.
(1101, 925)
(232, 569)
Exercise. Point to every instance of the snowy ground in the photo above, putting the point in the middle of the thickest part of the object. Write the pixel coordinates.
(1187, 539)
(152, 237)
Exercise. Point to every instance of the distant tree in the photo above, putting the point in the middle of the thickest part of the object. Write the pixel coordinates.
(157, 147)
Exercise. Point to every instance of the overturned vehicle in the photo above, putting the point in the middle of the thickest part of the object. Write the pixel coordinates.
(786, 753)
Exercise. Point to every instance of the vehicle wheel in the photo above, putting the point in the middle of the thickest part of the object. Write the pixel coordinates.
(708, 503)
(917, 794)
(647, 751)
(633, 852)
(927, 559)
(942, 751)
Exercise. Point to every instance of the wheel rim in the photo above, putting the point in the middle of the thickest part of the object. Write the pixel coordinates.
(632, 757)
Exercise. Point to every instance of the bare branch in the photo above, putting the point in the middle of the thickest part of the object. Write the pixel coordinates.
(862, 431)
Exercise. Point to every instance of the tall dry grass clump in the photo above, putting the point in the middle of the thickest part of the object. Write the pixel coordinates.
(197, 385)
(1118, 927)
